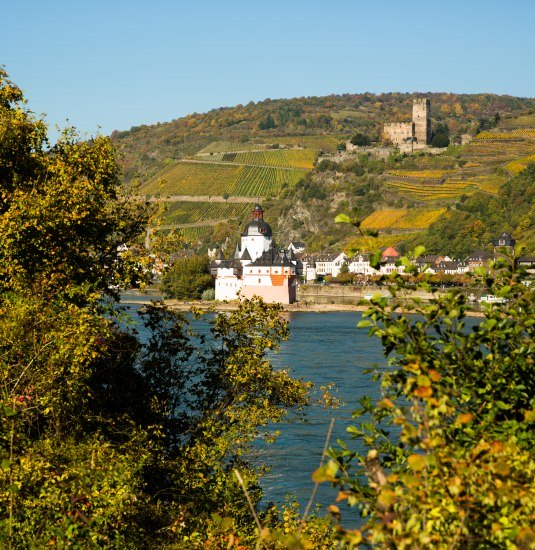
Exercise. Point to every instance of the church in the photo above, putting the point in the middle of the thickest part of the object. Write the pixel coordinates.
(257, 267)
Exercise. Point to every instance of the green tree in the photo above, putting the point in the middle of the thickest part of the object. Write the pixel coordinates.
(106, 439)
(187, 278)
(441, 136)
(448, 450)
(360, 140)
(267, 123)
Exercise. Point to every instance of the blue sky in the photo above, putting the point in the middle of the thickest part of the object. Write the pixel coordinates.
(117, 63)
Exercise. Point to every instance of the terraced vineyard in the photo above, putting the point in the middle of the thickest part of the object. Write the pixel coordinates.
(231, 146)
(417, 218)
(328, 144)
(193, 212)
(281, 158)
(195, 234)
(430, 192)
(516, 166)
(196, 178)
(488, 184)
(421, 174)
(499, 151)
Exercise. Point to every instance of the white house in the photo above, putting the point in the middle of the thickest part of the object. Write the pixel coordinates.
(330, 264)
(360, 264)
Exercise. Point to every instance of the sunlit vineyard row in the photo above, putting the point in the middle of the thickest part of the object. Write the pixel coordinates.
(192, 212)
(525, 132)
(231, 146)
(488, 183)
(382, 219)
(518, 165)
(283, 158)
(416, 218)
(424, 192)
(496, 136)
(420, 174)
(328, 144)
(194, 178)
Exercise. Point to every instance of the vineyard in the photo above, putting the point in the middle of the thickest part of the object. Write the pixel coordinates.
(429, 192)
(370, 244)
(516, 166)
(328, 144)
(519, 121)
(421, 174)
(488, 184)
(195, 234)
(195, 178)
(417, 218)
(382, 219)
(194, 212)
(498, 136)
(281, 158)
(230, 146)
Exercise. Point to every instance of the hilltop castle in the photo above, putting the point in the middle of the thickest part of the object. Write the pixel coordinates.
(418, 131)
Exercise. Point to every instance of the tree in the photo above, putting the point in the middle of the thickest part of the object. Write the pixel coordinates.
(450, 446)
(108, 439)
(63, 215)
(267, 123)
(187, 278)
(360, 140)
(440, 137)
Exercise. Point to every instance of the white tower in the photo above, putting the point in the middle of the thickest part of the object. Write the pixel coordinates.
(257, 236)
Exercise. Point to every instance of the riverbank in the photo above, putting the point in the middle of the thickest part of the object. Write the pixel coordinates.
(290, 308)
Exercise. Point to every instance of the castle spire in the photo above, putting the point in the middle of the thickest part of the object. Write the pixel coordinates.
(258, 213)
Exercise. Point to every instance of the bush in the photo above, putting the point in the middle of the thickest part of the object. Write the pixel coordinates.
(208, 294)
(187, 278)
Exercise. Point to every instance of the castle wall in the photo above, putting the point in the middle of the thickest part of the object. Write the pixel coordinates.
(281, 294)
(398, 132)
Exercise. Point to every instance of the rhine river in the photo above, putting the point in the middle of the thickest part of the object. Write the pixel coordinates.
(323, 348)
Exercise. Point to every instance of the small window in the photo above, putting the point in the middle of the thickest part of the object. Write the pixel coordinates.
(259, 281)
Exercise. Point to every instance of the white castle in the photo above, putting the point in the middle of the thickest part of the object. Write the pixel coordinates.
(257, 267)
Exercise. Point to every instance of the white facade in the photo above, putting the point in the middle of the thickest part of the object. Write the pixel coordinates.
(330, 264)
(227, 284)
(360, 264)
(256, 245)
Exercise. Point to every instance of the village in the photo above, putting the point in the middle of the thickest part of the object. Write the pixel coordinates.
(259, 268)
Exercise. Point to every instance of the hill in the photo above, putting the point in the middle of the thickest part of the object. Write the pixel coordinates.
(211, 168)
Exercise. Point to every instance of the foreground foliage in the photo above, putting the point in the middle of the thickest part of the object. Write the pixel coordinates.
(446, 458)
(108, 439)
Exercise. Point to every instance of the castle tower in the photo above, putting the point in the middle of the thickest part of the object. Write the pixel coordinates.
(422, 122)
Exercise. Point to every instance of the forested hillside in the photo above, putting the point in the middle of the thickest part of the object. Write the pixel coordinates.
(207, 169)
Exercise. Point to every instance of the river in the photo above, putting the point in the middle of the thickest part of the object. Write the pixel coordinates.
(323, 348)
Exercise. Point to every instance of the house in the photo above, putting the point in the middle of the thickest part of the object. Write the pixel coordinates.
(330, 264)
(297, 247)
(479, 258)
(306, 264)
(257, 267)
(447, 267)
(360, 264)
